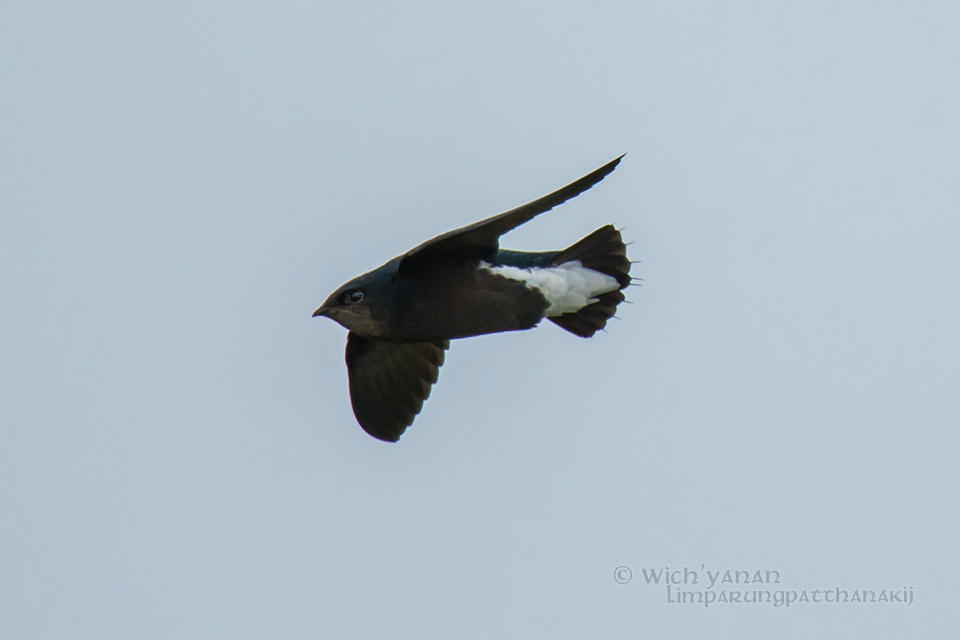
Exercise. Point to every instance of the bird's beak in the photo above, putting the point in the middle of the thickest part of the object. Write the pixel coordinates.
(328, 308)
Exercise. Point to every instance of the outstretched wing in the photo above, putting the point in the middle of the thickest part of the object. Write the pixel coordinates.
(481, 239)
(389, 382)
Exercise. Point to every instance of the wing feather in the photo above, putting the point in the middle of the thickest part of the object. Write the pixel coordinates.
(481, 240)
(389, 382)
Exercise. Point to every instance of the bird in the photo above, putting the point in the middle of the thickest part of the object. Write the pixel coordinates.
(402, 316)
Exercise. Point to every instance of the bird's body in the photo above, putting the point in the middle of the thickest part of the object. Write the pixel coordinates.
(460, 284)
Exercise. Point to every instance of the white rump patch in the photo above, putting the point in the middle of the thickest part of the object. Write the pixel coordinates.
(567, 288)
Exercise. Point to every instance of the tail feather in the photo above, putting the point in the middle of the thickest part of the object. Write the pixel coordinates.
(603, 251)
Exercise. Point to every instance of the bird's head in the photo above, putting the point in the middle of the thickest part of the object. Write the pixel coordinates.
(354, 304)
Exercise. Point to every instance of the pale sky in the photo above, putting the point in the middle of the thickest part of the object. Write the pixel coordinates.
(183, 183)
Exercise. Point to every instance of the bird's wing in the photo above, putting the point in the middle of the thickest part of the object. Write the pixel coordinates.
(389, 382)
(481, 239)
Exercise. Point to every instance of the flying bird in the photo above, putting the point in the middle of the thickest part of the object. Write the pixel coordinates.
(402, 316)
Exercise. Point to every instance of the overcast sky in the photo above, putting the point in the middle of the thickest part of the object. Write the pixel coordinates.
(182, 183)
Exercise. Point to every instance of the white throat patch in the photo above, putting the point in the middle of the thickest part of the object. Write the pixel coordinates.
(567, 288)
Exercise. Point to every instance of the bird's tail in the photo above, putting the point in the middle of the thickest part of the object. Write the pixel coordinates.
(603, 251)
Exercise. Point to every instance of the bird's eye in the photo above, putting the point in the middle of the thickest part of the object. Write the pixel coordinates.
(352, 297)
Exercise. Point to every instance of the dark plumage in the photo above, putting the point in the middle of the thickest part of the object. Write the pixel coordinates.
(403, 315)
